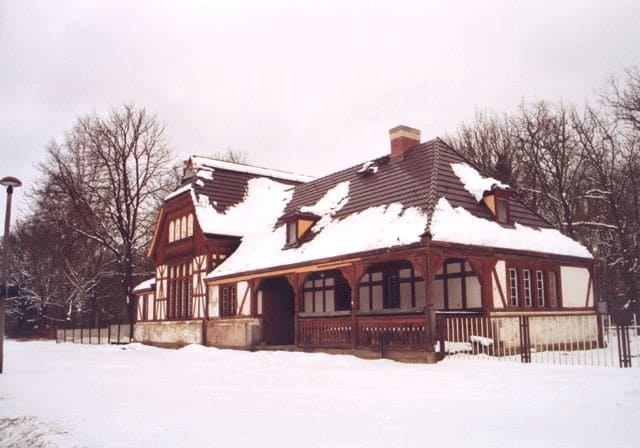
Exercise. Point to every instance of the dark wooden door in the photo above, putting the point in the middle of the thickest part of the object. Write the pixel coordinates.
(277, 312)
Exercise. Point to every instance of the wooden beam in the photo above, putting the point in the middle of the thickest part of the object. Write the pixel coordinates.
(429, 300)
(285, 272)
(497, 280)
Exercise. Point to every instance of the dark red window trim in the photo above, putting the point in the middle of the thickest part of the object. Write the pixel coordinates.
(533, 269)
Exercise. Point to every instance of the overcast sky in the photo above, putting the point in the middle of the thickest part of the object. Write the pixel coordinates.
(309, 87)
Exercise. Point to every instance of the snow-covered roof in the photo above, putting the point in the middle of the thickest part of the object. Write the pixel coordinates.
(456, 225)
(263, 237)
(474, 182)
(145, 285)
(204, 163)
(216, 188)
(430, 191)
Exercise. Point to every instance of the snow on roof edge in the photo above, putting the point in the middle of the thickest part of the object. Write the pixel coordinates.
(457, 225)
(200, 161)
(147, 284)
(178, 192)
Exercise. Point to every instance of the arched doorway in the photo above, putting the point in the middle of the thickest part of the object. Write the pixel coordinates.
(278, 311)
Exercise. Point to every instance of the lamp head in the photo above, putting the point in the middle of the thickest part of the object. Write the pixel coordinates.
(10, 182)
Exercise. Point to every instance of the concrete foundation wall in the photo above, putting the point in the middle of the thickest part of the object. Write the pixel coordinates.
(168, 333)
(238, 332)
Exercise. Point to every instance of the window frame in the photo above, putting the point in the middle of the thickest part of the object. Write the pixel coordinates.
(180, 228)
(291, 239)
(330, 282)
(391, 282)
(228, 300)
(537, 301)
(179, 292)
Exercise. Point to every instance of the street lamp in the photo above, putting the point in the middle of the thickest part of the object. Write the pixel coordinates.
(10, 183)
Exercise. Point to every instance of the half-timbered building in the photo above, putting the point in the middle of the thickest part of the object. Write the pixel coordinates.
(248, 257)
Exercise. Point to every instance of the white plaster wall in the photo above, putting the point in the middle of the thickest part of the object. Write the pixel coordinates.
(545, 331)
(152, 304)
(243, 288)
(139, 307)
(575, 283)
(502, 279)
(214, 308)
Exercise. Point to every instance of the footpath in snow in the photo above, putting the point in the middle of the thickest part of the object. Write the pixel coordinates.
(65, 395)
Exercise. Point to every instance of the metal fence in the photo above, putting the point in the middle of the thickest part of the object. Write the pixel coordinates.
(113, 334)
(578, 339)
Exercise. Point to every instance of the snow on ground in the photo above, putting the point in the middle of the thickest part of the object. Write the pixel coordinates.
(65, 395)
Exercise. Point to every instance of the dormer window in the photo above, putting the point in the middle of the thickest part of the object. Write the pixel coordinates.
(498, 202)
(298, 228)
(292, 233)
(502, 210)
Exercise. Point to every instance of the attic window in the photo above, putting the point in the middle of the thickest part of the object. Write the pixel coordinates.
(502, 210)
(498, 202)
(298, 228)
(292, 233)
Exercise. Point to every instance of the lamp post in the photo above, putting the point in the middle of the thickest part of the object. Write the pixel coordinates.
(10, 183)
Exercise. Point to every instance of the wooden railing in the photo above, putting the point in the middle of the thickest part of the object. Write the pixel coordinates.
(401, 331)
(325, 331)
(404, 331)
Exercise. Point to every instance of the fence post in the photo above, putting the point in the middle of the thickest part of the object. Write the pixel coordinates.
(442, 334)
(624, 346)
(525, 340)
(118, 341)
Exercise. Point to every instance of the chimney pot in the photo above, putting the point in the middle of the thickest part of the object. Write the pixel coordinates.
(403, 138)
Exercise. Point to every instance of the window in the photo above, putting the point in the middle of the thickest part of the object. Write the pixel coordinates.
(502, 210)
(456, 286)
(526, 275)
(541, 294)
(391, 286)
(292, 233)
(392, 290)
(540, 286)
(325, 292)
(180, 293)
(183, 231)
(513, 287)
(228, 301)
(190, 224)
(553, 294)
(181, 228)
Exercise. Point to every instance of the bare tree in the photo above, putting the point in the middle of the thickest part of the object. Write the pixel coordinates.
(232, 155)
(104, 183)
(622, 96)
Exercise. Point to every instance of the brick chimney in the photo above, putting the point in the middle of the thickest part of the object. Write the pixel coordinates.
(403, 138)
